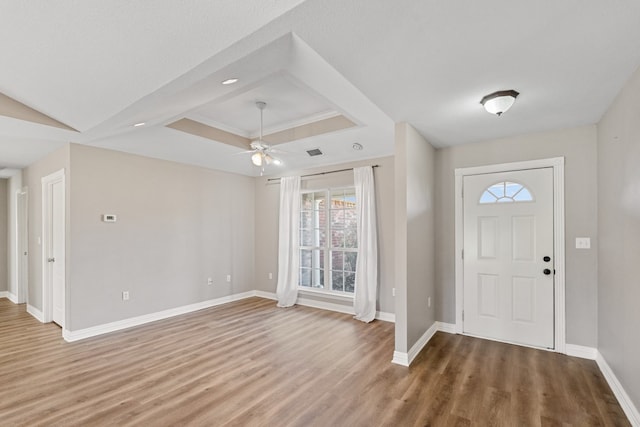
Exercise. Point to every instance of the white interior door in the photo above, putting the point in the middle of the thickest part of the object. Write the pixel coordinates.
(23, 245)
(53, 214)
(57, 252)
(508, 256)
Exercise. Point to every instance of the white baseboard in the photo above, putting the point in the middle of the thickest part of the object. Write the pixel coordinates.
(12, 297)
(80, 334)
(400, 358)
(308, 302)
(405, 359)
(623, 398)
(93, 331)
(324, 305)
(581, 351)
(449, 328)
(266, 295)
(386, 317)
(4, 294)
(35, 313)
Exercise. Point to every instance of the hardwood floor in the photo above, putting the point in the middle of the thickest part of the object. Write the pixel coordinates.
(250, 363)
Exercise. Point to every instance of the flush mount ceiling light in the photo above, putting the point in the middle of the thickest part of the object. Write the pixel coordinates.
(230, 81)
(499, 102)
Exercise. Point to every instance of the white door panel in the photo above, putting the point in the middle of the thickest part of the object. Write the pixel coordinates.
(53, 248)
(508, 230)
(23, 246)
(57, 251)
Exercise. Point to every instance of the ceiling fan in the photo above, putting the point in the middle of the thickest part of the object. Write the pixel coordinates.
(262, 152)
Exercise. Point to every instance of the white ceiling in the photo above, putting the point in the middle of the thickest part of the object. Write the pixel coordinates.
(100, 67)
(289, 103)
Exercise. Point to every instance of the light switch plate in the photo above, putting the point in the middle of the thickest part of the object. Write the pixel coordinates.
(583, 243)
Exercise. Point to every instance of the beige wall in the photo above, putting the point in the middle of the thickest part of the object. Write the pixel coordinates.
(32, 179)
(415, 220)
(578, 147)
(4, 236)
(267, 207)
(177, 225)
(619, 228)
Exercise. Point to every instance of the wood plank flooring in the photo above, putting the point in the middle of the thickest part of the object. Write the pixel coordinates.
(249, 363)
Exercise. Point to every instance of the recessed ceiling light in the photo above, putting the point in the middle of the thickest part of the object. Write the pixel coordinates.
(229, 81)
(139, 124)
(357, 146)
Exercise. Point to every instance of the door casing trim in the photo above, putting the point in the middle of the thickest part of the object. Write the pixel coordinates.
(557, 163)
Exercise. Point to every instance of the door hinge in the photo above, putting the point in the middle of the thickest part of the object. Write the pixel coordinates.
(463, 315)
(463, 254)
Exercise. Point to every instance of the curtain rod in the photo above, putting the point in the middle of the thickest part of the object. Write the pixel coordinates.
(322, 173)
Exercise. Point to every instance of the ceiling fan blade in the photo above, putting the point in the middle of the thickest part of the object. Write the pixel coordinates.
(244, 152)
(279, 151)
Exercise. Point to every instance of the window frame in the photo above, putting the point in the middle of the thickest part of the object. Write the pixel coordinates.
(327, 266)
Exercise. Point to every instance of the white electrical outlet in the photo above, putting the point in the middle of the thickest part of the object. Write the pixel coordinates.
(270, 276)
(393, 292)
(125, 295)
(583, 243)
(209, 281)
(228, 278)
(429, 302)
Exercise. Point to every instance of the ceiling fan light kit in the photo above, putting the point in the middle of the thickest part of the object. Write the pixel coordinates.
(500, 101)
(261, 157)
(256, 158)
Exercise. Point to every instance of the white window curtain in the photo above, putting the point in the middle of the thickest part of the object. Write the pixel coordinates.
(366, 283)
(288, 241)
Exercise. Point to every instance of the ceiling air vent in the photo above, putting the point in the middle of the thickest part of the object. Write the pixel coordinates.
(314, 152)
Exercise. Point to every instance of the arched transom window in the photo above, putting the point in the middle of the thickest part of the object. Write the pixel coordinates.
(506, 192)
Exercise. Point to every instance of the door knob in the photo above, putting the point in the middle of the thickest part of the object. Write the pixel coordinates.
(51, 260)
(546, 271)
(546, 259)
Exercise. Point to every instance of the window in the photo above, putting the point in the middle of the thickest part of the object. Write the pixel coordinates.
(506, 192)
(328, 240)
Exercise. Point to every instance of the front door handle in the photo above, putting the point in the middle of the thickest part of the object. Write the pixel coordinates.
(51, 260)
(546, 271)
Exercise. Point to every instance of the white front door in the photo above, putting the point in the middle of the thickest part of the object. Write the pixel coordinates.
(508, 256)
